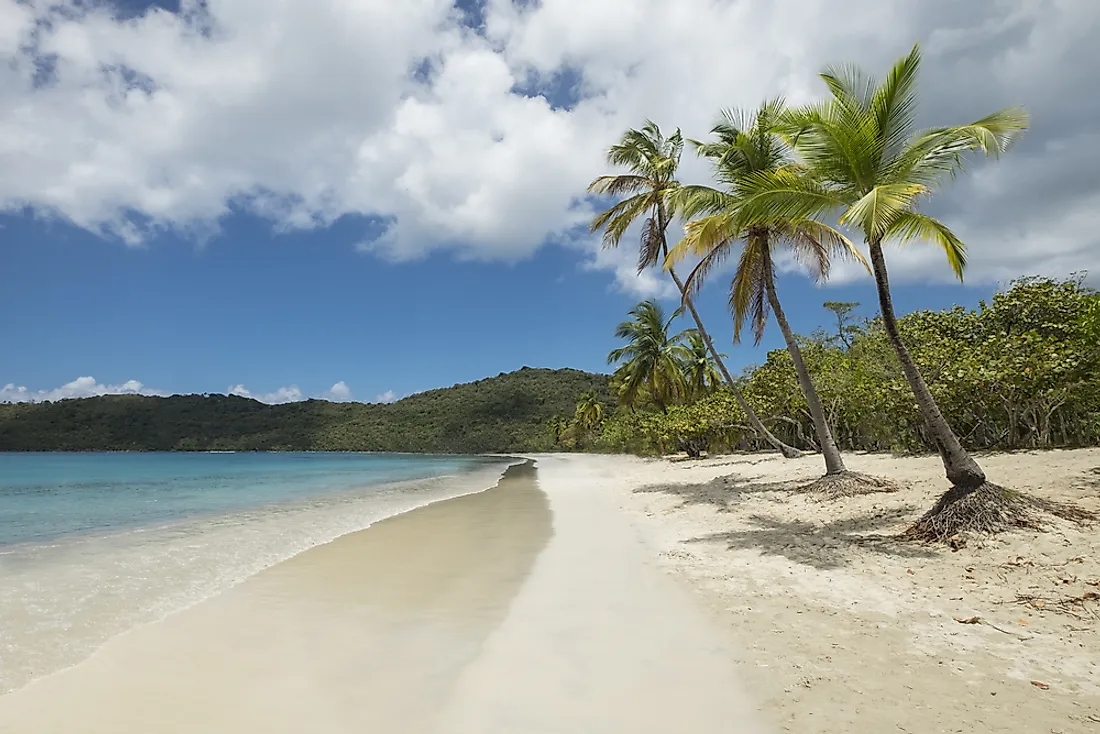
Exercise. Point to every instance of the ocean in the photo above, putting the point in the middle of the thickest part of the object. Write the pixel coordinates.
(92, 545)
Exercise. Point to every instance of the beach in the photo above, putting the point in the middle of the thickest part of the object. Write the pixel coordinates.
(616, 594)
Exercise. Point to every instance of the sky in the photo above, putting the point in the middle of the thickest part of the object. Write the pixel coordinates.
(363, 199)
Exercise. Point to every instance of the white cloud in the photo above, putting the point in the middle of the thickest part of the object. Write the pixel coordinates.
(86, 387)
(290, 394)
(81, 387)
(339, 393)
(387, 397)
(169, 121)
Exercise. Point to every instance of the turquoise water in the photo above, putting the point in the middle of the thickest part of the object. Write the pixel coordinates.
(92, 545)
(48, 496)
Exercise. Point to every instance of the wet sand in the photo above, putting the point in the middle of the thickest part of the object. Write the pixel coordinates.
(532, 607)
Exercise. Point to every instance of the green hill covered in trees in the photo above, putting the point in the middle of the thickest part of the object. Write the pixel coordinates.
(510, 412)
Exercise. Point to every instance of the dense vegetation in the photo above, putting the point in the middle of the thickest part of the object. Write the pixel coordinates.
(1020, 372)
(509, 412)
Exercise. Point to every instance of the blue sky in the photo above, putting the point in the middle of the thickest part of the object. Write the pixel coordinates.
(267, 310)
(301, 203)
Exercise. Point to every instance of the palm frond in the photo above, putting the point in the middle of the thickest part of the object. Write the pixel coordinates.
(619, 185)
(748, 298)
(874, 212)
(769, 197)
(938, 153)
(651, 247)
(698, 275)
(913, 225)
(894, 102)
(830, 241)
(617, 220)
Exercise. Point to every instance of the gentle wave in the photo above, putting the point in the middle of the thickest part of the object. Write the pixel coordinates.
(61, 600)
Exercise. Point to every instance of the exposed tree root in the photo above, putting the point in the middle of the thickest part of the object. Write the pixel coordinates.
(989, 508)
(848, 484)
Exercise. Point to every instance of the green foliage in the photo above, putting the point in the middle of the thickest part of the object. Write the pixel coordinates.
(510, 412)
(652, 360)
(1021, 371)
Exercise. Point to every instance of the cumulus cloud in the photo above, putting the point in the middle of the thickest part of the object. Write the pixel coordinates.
(387, 397)
(339, 393)
(81, 387)
(481, 140)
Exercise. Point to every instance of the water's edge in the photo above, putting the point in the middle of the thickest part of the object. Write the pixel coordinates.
(62, 601)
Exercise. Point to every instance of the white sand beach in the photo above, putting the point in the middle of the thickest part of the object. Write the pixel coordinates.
(614, 594)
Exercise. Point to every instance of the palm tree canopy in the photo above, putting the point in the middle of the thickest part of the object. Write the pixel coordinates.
(699, 367)
(744, 146)
(869, 163)
(651, 161)
(652, 359)
(589, 412)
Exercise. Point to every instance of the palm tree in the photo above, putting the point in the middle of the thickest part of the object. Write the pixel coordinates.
(747, 144)
(869, 163)
(699, 369)
(651, 160)
(589, 412)
(652, 360)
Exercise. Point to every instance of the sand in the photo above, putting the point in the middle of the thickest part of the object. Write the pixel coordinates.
(615, 594)
(513, 610)
(846, 632)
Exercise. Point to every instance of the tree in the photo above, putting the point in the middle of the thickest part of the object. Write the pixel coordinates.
(746, 145)
(652, 360)
(589, 412)
(699, 368)
(866, 161)
(652, 160)
(844, 327)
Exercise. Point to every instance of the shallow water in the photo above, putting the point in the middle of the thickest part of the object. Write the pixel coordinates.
(92, 545)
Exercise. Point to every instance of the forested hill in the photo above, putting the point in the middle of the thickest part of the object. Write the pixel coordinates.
(509, 412)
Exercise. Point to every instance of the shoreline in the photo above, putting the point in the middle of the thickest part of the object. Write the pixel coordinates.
(620, 594)
(112, 601)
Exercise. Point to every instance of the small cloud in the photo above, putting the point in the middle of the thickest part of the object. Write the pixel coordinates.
(81, 387)
(339, 393)
(387, 397)
(291, 394)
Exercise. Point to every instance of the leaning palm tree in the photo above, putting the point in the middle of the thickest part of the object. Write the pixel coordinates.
(651, 160)
(869, 164)
(699, 367)
(652, 359)
(746, 144)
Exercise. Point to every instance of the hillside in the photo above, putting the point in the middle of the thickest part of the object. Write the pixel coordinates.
(498, 414)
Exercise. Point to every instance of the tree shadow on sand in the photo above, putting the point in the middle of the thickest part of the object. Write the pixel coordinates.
(721, 492)
(822, 547)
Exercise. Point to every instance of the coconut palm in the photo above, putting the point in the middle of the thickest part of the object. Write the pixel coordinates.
(746, 144)
(589, 412)
(700, 372)
(870, 164)
(651, 360)
(651, 161)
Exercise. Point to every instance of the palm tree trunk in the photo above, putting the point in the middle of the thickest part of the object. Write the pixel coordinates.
(962, 471)
(834, 464)
(788, 451)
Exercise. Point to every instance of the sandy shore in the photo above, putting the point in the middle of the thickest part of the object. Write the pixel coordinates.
(531, 607)
(613, 594)
(843, 631)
